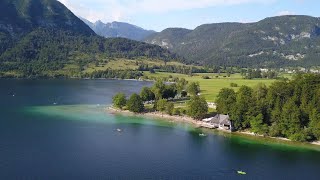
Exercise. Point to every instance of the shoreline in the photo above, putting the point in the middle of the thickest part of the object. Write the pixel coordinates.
(199, 124)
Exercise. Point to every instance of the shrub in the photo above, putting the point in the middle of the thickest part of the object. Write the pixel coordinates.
(183, 111)
(152, 71)
(300, 136)
(176, 111)
(233, 85)
(184, 94)
(169, 108)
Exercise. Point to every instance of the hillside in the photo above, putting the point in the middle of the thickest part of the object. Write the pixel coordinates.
(41, 36)
(272, 42)
(119, 29)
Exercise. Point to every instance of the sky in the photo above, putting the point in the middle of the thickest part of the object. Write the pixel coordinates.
(160, 14)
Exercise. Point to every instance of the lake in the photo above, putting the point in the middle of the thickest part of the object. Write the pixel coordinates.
(59, 129)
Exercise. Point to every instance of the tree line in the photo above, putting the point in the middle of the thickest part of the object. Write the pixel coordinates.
(162, 96)
(289, 109)
(44, 50)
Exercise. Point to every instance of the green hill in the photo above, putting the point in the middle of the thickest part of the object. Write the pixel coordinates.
(272, 42)
(42, 36)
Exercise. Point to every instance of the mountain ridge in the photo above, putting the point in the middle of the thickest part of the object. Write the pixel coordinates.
(272, 42)
(118, 29)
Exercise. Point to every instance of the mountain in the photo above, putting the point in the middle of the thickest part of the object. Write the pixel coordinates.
(42, 36)
(119, 29)
(272, 42)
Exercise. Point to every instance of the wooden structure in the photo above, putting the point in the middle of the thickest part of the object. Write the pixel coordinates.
(219, 121)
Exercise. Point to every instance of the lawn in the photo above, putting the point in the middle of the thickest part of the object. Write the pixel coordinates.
(211, 87)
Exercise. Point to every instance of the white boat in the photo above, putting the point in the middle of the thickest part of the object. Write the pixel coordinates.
(202, 135)
(119, 130)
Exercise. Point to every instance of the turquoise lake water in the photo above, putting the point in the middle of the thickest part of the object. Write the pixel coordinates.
(59, 129)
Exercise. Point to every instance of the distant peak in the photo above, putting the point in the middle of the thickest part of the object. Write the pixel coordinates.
(99, 22)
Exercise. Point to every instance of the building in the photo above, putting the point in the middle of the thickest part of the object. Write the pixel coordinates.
(220, 121)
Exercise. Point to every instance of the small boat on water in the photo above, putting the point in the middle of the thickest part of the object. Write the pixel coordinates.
(202, 135)
(241, 172)
(119, 130)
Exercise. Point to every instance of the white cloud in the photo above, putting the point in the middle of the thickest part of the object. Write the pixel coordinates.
(121, 10)
(284, 13)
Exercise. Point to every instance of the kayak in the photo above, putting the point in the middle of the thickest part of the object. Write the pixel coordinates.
(242, 172)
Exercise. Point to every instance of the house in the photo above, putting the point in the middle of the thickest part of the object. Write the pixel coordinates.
(220, 121)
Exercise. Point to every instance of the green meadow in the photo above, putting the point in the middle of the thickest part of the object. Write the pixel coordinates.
(211, 87)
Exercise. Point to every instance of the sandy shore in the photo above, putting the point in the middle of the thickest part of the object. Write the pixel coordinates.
(316, 143)
(199, 124)
(178, 119)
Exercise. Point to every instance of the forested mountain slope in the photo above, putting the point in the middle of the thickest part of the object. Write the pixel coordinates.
(276, 41)
(38, 36)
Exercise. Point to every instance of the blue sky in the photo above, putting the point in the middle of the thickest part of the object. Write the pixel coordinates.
(160, 14)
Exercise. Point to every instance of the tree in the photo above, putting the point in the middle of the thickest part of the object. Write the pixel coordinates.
(181, 85)
(260, 91)
(146, 94)
(197, 107)
(225, 100)
(161, 105)
(257, 125)
(170, 91)
(169, 108)
(119, 100)
(244, 108)
(158, 88)
(290, 119)
(135, 104)
(193, 88)
(315, 123)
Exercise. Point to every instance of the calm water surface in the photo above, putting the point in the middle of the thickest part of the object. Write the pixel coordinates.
(58, 129)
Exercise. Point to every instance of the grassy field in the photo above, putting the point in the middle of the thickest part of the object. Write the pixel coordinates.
(124, 64)
(211, 87)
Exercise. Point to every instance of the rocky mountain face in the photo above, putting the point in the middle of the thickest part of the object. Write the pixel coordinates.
(119, 29)
(272, 42)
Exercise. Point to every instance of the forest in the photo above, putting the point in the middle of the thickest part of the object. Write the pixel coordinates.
(287, 108)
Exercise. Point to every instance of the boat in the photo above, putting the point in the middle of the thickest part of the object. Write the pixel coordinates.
(55, 103)
(242, 172)
(202, 135)
(119, 130)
